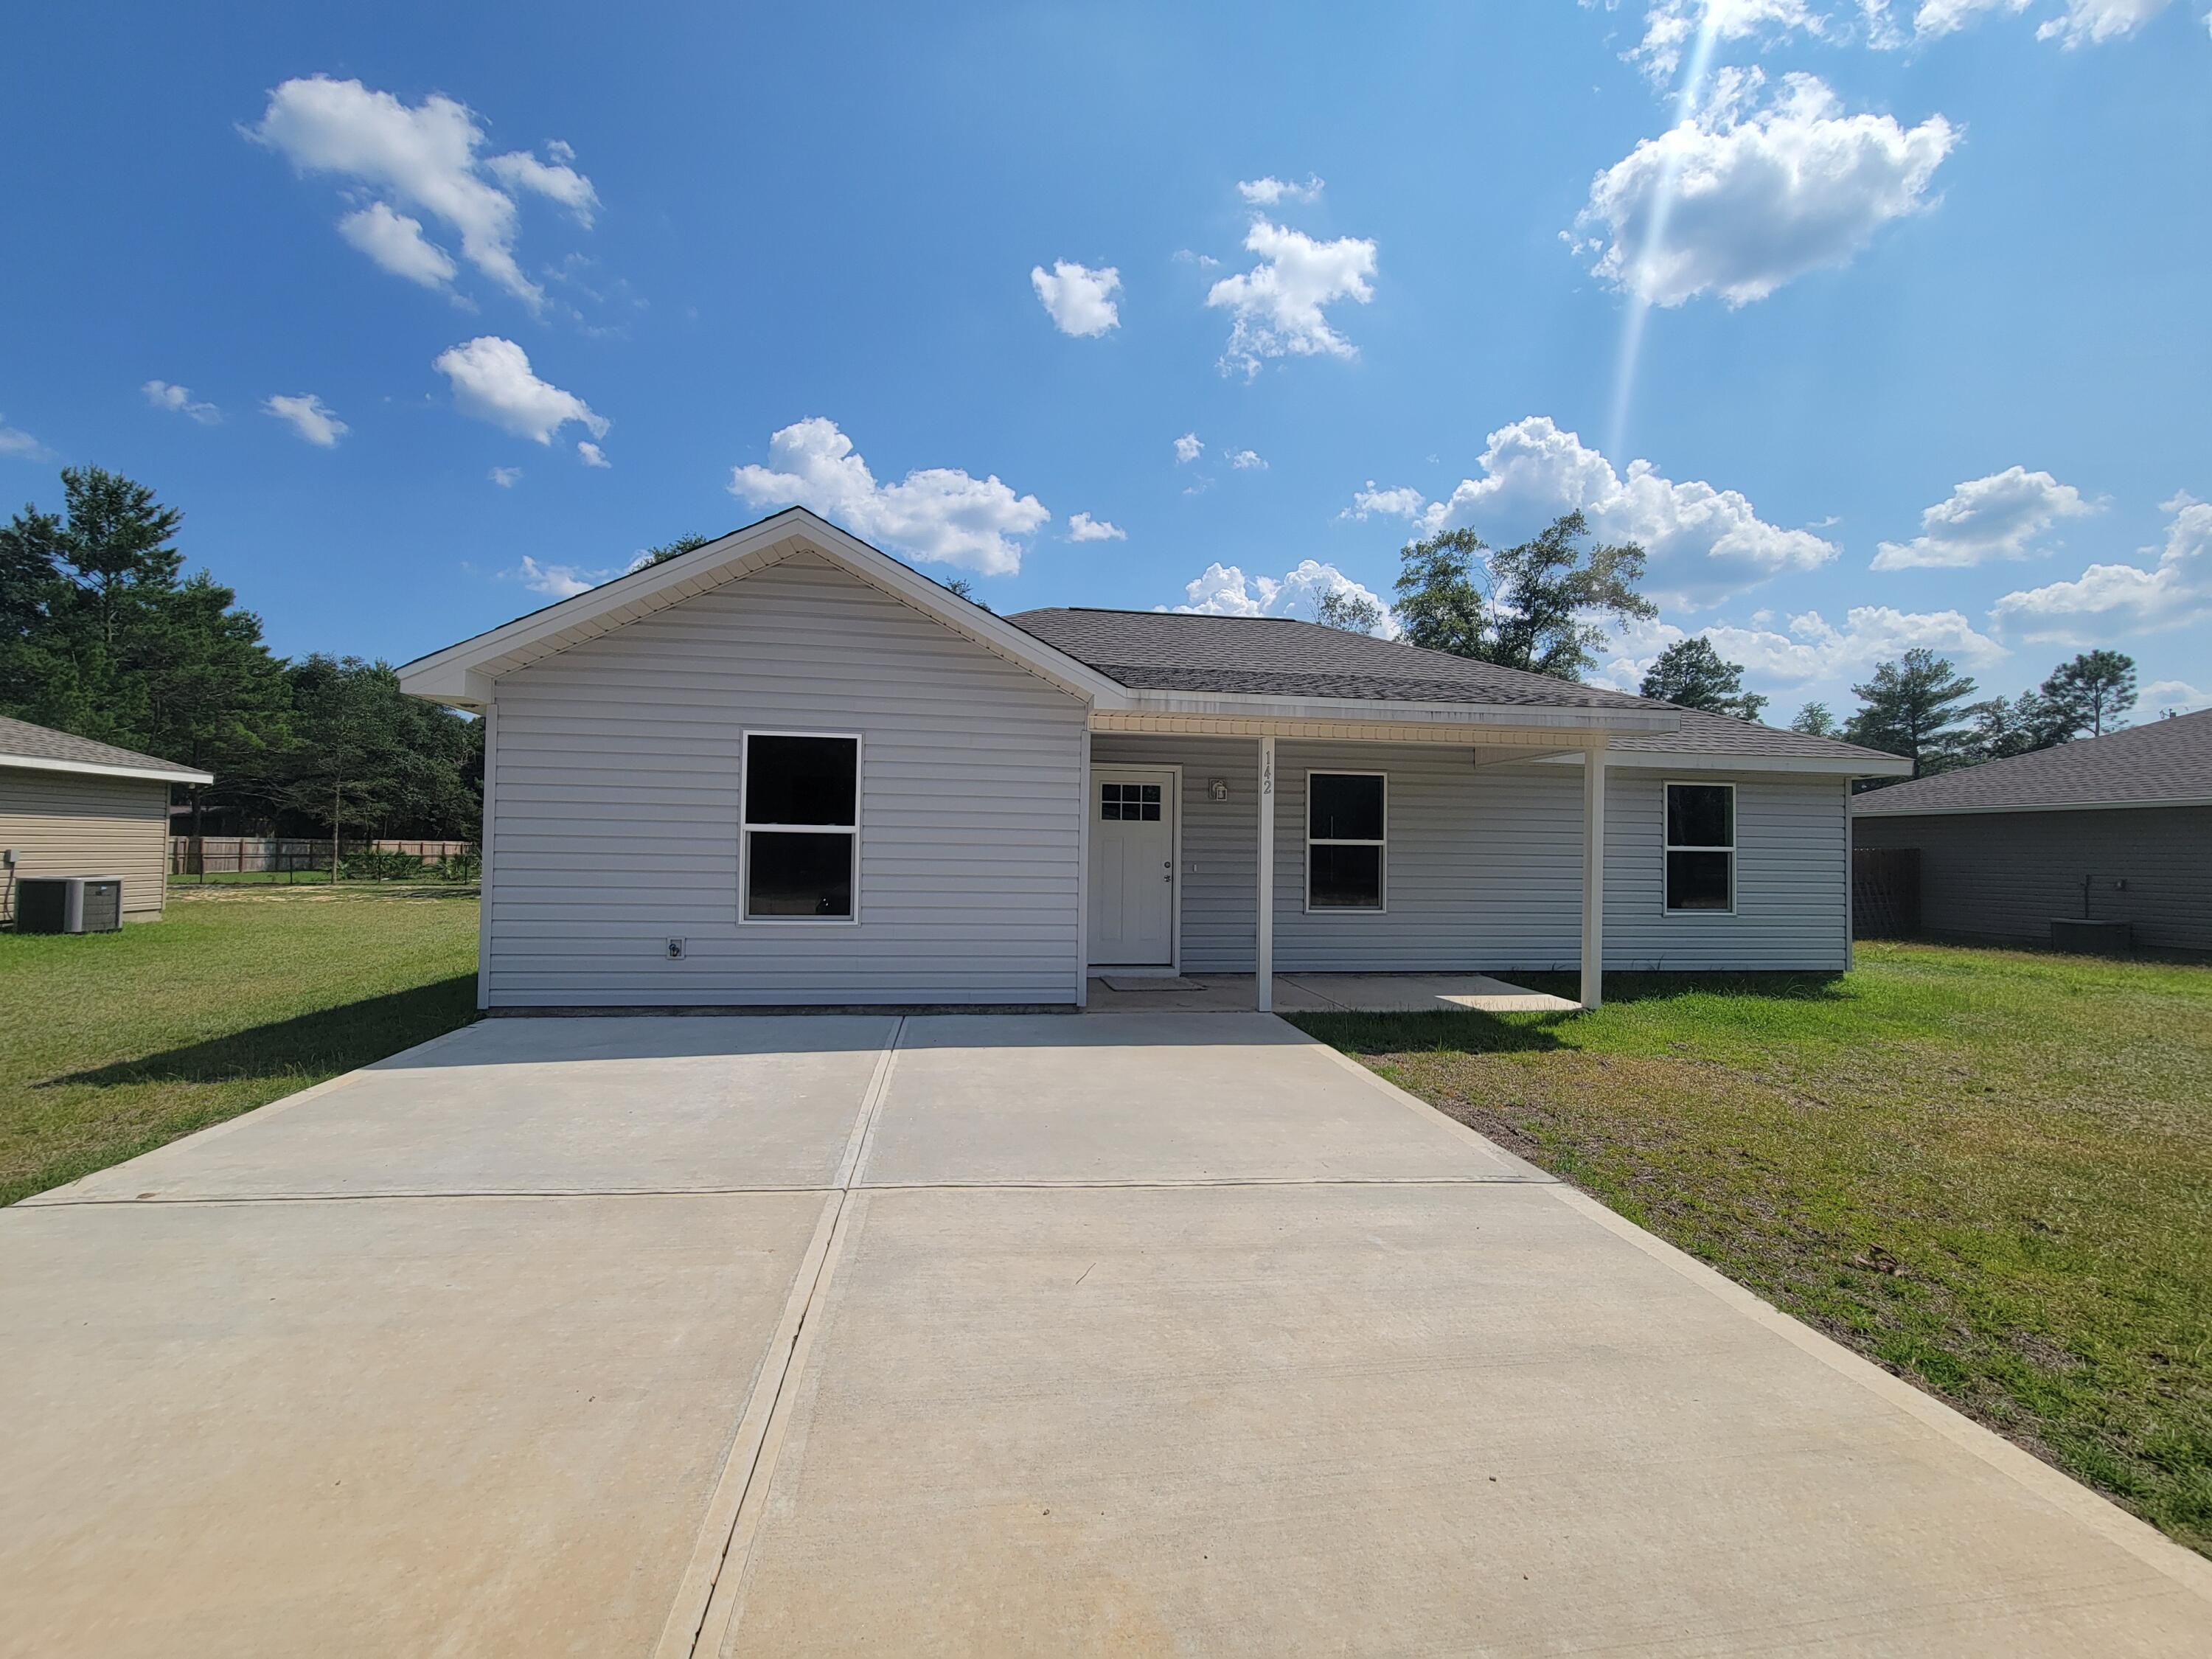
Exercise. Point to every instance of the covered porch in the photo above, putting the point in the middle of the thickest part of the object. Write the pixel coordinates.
(1247, 883)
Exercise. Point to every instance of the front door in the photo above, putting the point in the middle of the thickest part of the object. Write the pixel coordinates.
(1133, 873)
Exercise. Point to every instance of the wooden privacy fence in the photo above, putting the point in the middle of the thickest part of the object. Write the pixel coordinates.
(1884, 892)
(239, 855)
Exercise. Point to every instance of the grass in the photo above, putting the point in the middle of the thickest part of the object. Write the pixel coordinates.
(114, 1044)
(1989, 1171)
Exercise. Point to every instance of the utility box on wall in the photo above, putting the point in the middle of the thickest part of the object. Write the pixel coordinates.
(69, 904)
(2090, 939)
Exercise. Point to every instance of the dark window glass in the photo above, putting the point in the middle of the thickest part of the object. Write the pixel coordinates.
(1344, 877)
(800, 780)
(1700, 815)
(1343, 807)
(1697, 881)
(798, 875)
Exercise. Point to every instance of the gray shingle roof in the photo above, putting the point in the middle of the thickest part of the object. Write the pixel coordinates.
(2158, 761)
(1171, 651)
(22, 738)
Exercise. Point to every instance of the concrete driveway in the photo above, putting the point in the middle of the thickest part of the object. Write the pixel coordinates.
(1166, 1333)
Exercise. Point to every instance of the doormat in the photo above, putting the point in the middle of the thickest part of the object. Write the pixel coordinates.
(1120, 982)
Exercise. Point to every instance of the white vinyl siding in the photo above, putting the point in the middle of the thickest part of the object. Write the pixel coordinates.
(69, 823)
(1486, 866)
(616, 822)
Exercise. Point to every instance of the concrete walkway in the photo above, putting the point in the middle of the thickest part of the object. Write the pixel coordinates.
(1167, 1333)
(1115, 993)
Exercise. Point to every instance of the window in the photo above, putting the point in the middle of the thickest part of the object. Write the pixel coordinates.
(1129, 801)
(1700, 847)
(801, 826)
(1344, 840)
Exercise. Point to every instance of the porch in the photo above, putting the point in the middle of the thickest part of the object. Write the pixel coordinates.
(1115, 993)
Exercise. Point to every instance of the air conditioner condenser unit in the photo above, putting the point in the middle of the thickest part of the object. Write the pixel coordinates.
(69, 904)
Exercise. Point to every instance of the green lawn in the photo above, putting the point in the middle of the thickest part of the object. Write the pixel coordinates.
(1990, 1171)
(113, 1043)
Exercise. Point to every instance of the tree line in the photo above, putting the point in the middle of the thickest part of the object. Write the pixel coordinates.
(1543, 606)
(103, 636)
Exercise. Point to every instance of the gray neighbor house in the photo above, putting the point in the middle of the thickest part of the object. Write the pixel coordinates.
(2115, 830)
(784, 769)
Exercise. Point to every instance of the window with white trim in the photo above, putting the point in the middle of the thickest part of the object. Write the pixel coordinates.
(801, 826)
(1700, 847)
(1346, 840)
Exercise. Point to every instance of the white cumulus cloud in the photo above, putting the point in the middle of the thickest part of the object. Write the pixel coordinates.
(2107, 600)
(1807, 653)
(2079, 23)
(492, 380)
(1985, 519)
(2177, 695)
(1225, 591)
(1403, 501)
(1702, 542)
(1741, 200)
(1082, 527)
(555, 581)
(425, 158)
(591, 454)
(1246, 460)
(1267, 192)
(938, 514)
(396, 241)
(1276, 308)
(1188, 448)
(179, 400)
(505, 476)
(1078, 299)
(1669, 25)
(310, 417)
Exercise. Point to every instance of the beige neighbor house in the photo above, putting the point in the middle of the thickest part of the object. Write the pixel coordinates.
(70, 806)
(784, 769)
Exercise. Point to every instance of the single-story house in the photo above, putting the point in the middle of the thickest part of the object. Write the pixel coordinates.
(70, 806)
(2113, 829)
(787, 769)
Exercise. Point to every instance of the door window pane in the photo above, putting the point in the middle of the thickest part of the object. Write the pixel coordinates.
(798, 875)
(1342, 878)
(801, 779)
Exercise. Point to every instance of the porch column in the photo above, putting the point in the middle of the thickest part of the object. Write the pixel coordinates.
(1593, 990)
(1263, 964)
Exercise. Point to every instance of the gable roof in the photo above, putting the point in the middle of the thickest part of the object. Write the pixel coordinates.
(40, 749)
(463, 674)
(1179, 651)
(2166, 762)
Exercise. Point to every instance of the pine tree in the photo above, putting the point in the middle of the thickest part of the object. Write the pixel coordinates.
(1815, 720)
(1540, 593)
(1912, 708)
(2092, 693)
(1692, 674)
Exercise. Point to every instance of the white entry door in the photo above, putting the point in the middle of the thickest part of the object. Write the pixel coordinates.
(1132, 870)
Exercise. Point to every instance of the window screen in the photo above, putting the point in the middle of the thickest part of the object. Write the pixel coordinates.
(1344, 840)
(800, 827)
(1700, 847)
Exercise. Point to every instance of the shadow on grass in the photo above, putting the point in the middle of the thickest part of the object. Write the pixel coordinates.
(330, 1040)
(1468, 1032)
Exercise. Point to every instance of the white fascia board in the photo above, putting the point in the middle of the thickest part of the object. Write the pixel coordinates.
(102, 770)
(1634, 760)
(1873, 814)
(1373, 711)
(463, 674)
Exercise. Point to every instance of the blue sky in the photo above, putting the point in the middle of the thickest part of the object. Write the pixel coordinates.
(1919, 293)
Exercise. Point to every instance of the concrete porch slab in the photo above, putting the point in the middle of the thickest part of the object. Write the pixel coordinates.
(1323, 993)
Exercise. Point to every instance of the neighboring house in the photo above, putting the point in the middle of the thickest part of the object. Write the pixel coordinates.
(70, 806)
(2116, 829)
(784, 769)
